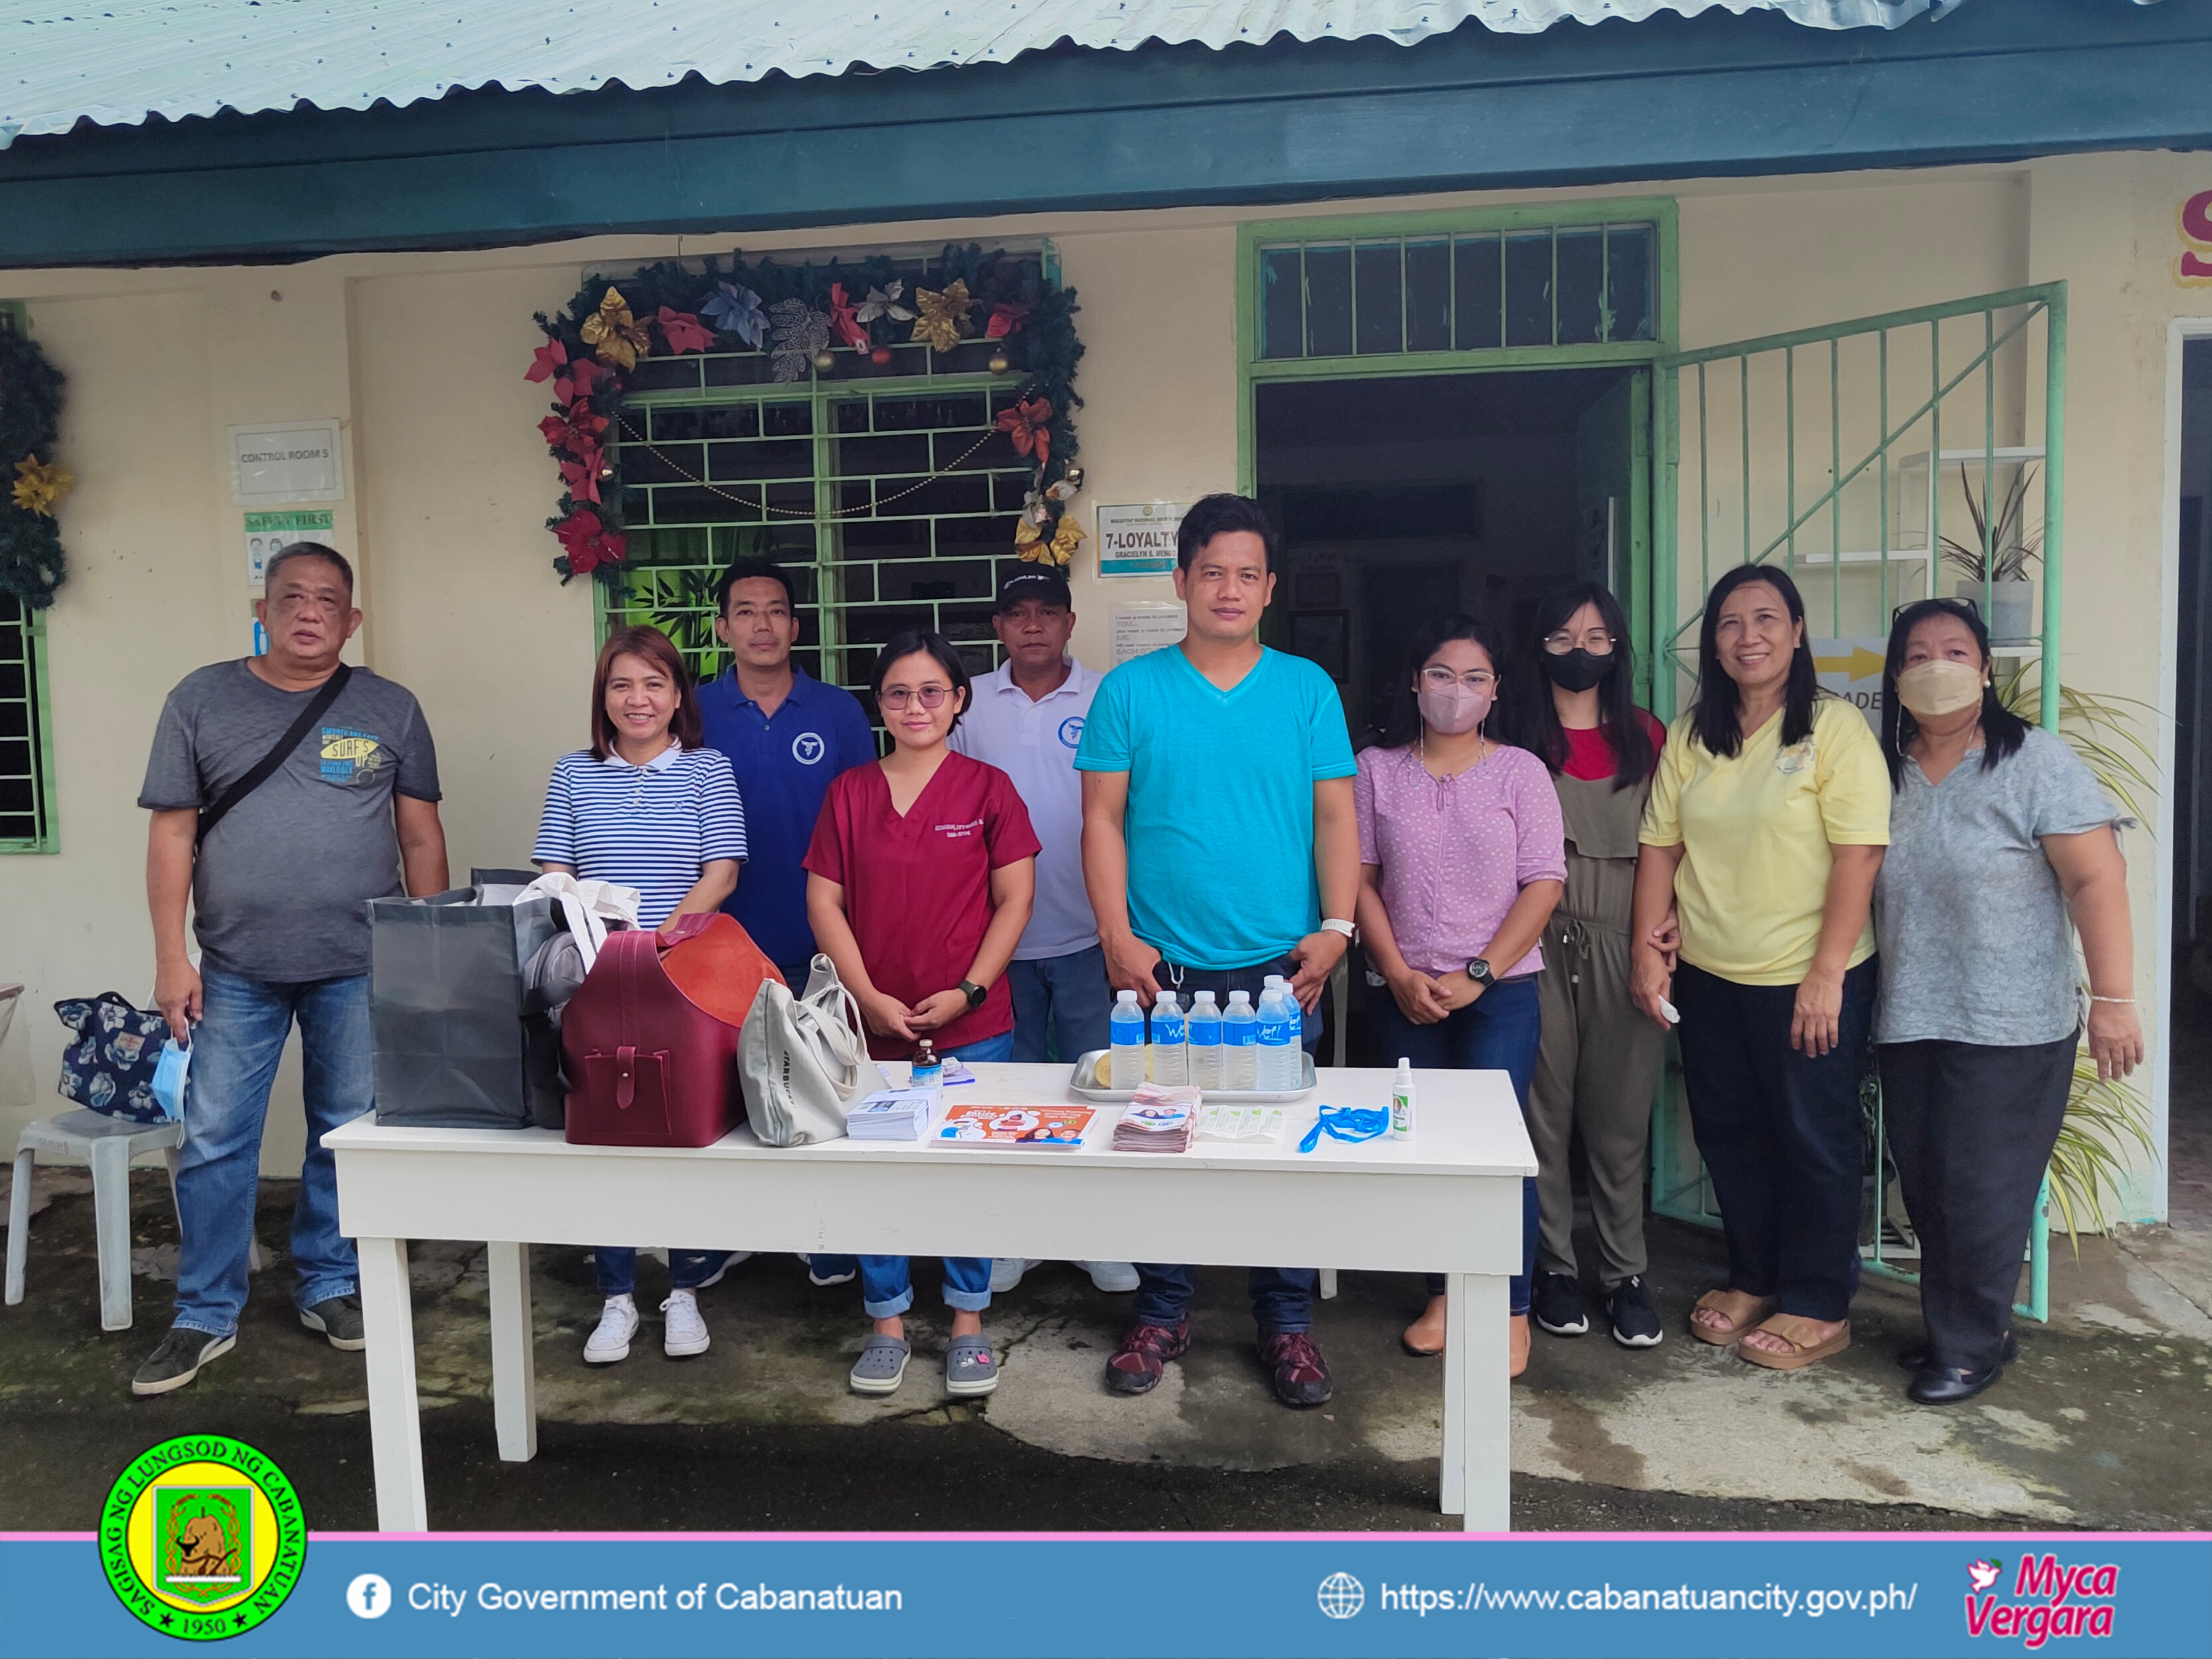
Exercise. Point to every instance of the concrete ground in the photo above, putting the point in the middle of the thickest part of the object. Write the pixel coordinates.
(2106, 1422)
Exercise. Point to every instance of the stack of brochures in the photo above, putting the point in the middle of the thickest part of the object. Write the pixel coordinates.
(1218, 1121)
(1041, 1128)
(1157, 1119)
(892, 1115)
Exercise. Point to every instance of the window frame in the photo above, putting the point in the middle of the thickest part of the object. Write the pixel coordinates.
(38, 694)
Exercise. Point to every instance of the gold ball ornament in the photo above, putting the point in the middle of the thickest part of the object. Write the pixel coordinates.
(825, 361)
(1000, 365)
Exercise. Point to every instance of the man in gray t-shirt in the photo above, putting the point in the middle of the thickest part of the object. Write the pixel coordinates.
(279, 888)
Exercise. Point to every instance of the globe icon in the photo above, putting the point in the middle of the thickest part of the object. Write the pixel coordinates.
(1341, 1596)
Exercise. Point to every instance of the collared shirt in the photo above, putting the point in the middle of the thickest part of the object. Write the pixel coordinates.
(918, 885)
(1034, 743)
(653, 827)
(783, 766)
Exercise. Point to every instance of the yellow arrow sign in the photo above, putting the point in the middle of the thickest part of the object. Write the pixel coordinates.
(1860, 665)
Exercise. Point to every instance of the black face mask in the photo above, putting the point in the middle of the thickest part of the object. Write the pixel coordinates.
(1577, 669)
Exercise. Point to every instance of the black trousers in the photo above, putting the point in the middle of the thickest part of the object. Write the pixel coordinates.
(1782, 1133)
(1972, 1128)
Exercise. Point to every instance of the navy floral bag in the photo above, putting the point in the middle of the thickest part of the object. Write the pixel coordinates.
(110, 1064)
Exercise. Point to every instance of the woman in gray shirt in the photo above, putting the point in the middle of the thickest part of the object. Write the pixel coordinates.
(1997, 835)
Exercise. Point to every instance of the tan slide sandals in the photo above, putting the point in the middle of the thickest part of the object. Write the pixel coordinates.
(1805, 1341)
(1740, 1307)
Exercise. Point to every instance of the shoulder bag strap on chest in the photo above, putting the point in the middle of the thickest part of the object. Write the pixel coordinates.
(266, 767)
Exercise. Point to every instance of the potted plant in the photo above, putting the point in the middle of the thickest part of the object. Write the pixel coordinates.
(1999, 578)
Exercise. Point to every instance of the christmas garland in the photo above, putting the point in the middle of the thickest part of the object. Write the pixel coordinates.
(31, 565)
(799, 317)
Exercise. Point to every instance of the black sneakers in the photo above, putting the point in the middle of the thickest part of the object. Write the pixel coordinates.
(338, 1318)
(179, 1360)
(1635, 1324)
(1557, 1303)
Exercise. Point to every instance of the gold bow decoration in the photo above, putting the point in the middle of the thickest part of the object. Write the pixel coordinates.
(944, 321)
(40, 486)
(613, 334)
(1059, 548)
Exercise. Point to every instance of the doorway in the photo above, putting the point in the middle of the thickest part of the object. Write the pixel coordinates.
(1405, 498)
(2189, 1154)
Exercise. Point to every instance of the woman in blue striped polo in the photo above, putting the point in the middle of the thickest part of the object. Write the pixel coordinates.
(646, 806)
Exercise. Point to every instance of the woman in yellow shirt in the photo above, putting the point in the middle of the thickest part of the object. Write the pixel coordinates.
(1767, 825)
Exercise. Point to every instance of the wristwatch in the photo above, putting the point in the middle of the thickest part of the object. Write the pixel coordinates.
(1478, 971)
(973, 992)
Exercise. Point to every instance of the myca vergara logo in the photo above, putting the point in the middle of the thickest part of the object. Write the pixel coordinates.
(2048, 1599)
(202, 1537)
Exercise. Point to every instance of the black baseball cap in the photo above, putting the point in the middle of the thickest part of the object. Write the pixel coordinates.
(1034, 582)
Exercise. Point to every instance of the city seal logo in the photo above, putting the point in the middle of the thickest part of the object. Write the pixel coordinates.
(202, 1537)
(1342, 1596)
(808, 749)
(1071, 731)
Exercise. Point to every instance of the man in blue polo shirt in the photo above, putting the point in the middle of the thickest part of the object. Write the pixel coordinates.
(787, 735)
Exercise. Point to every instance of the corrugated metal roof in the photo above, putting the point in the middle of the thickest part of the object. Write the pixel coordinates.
(118, 62)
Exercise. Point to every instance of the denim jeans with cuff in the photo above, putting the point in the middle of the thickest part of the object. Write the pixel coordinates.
(687, 1270)
(236, 1047)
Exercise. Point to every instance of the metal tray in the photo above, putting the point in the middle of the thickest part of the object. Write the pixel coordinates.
(1084, 1085)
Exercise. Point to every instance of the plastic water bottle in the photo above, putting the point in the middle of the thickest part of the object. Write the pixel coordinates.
(1401, 1102)
(1205, 1041)
(1276, 982)
(1278, 1067)
(1170, 1043)
(1125, 1028)
(1240, 1044)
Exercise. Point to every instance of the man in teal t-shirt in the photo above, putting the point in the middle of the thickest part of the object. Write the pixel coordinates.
(1219, 846)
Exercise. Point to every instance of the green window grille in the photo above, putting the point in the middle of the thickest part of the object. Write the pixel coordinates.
(26, 811)
(26, 763)
(1354, 295)
(892, 501)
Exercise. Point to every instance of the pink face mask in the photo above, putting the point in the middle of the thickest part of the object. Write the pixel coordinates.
(1454, 710)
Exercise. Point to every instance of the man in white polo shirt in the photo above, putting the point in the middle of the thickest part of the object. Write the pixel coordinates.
(1026, 719)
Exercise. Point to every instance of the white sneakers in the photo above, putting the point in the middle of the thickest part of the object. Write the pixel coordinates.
(683, 1334)
(1113, 1277)
(618, 1324)
(1007, 1272)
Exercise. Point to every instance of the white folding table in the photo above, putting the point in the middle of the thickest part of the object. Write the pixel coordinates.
(1448, 1200)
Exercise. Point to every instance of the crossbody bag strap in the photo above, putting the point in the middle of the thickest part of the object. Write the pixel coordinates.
(266, 767)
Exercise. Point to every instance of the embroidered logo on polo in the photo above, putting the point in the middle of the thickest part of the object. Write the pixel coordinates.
(1071, 731)
(350, 757)
(808, 748)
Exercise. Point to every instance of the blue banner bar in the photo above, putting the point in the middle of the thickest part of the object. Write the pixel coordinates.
(1118, 1594)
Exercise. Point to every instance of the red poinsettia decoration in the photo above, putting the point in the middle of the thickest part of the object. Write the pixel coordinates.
(548, 360)
(1006, 318)
(576, 429)
(683, 331)
(580, 476)
(589, 543)
(842, 322)
(1027, 423)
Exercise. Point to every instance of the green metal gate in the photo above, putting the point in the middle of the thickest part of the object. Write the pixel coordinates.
(1878, 461)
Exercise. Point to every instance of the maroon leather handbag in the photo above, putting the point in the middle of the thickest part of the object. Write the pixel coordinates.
(650, 1038)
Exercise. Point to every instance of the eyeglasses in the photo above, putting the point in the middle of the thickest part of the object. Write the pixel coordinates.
(1441, 678)
(1961, 606)
(930, 696)
(1597, 642)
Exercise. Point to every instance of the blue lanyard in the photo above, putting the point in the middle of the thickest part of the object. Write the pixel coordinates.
(1347, 1123)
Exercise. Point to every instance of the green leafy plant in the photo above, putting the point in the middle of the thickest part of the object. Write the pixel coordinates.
(2011, 548)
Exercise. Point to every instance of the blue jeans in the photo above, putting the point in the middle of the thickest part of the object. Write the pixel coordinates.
(1282, 1298)
(884, 1286)
(1060, 1005)
(236, 1049)
(1495, 1032)
(687, 1269)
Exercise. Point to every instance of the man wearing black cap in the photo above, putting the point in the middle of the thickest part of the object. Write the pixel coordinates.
(1026, 719)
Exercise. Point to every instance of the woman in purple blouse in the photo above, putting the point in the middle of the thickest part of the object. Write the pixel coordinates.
(1461, 857)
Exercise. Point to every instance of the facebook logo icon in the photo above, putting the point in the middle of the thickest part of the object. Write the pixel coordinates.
(369, 1596)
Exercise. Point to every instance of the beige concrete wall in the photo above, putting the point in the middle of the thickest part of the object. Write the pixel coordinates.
(421, 356)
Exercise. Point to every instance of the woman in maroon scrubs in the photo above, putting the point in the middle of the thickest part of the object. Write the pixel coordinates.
(919, 884)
